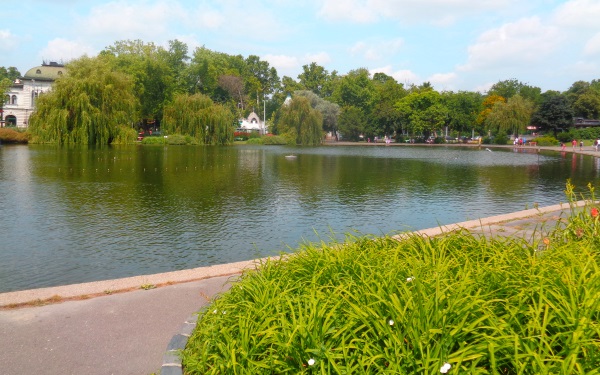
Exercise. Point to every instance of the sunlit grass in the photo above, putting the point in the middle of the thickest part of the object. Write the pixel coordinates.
(452, 304)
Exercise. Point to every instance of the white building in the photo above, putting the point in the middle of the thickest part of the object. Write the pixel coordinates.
(252, 123)
(20, 99)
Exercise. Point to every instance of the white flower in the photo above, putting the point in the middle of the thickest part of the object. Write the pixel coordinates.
(311, 362)
(214, 311)
(391, 322)
(409, 279)
(445, 368)
(224, 312)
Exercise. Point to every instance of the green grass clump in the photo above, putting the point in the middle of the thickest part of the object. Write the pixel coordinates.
(413, 306)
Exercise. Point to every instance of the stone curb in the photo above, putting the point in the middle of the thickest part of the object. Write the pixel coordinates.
(172, 358)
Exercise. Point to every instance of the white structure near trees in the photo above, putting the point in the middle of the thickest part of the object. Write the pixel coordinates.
(252, 123)
(20, 100)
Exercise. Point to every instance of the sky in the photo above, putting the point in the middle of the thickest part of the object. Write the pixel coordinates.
(453, 44)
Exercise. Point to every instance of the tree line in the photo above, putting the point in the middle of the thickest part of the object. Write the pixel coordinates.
(132, 86)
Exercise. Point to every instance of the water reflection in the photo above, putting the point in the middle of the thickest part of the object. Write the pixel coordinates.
(82, 214)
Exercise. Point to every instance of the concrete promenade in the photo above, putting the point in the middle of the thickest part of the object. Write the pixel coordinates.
(118, 327)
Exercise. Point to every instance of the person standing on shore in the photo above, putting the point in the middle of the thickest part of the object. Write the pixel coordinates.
(580, 145)
(574, 143)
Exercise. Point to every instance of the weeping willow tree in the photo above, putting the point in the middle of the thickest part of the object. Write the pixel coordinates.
(511, 117)
(92, 104)
(301, 123)
(197, 116)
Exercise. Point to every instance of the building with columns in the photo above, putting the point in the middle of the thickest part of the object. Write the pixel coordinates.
(19, 101)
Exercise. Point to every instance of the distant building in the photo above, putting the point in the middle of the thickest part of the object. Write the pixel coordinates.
(252, 123)
(21, 97)
(580, 122)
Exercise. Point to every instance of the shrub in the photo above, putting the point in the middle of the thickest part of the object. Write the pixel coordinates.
(545, 141)
(153, 141)
(414, 305)
(13, 136)
(275, 140)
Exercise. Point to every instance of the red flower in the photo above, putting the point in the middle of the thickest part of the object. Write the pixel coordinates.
(594, 212)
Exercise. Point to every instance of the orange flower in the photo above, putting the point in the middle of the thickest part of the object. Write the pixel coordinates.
(594, 212)
(547, 241)
(579, 233)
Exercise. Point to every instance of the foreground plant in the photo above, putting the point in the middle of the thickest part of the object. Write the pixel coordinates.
(453, 304)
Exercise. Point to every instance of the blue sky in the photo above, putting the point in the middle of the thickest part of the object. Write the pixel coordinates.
(454, 44)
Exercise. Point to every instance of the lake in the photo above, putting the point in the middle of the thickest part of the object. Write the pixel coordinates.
(71, 215)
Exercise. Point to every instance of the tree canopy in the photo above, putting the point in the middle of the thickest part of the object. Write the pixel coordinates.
(92, 104)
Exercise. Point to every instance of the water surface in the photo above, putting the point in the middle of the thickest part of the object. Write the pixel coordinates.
(71, 215)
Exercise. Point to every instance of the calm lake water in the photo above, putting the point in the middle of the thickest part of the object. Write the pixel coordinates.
(71, 215)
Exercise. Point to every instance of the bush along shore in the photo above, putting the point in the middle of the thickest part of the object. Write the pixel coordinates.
(457, 303)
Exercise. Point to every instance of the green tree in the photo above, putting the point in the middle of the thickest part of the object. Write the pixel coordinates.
(463, 109)
(511, 87)
(587, 105)
(7, 77)
(329, 111)
(148, 65)
(300, 123)
(92, 104)
(554, 113)
(422, 112)
(199, 117)
(385, 118)
(314, 78)
(511, 117)
(352, 123)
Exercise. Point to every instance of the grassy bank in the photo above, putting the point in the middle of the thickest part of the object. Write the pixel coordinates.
(453, 304)
(13, 136)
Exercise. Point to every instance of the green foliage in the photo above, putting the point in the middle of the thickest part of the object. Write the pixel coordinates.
(352, 123)
(553, 114)
(299, 122)
(154, 141)
(511, 117)
(586, 133)
(93, 104)
(422, 111)
(546, 141)
(411, 305)
(269, 140)
(13, 136)
(198, 117)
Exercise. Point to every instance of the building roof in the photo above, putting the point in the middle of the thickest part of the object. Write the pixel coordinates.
(46, 72)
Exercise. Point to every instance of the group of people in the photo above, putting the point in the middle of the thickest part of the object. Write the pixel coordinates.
(574, 144)
(519, 141)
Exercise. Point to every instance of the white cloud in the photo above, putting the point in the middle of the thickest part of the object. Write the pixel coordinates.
(132, 20)
(7, 40)
(438, 12)
(579, 14)
(282, 62)
(521, 43)
(592, 47)
(376, 50)
(354, 10)
(320, 58)
(60, 49)
(443, 81)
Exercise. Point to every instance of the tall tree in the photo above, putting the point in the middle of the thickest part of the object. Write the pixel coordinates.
(299, 122)
(511, 117)
(352, 123)
(423, 112)
(197, 116)
(385, 119)
(92, 104)
(554, 113)
(329, 111)
(7, 77)
(463, 109)
(314, 78)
